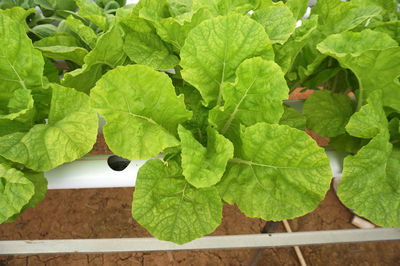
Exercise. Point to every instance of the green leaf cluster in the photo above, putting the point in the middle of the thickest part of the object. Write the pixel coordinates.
(42, 124)
(216, 115)
(203, 82)
(352, 61)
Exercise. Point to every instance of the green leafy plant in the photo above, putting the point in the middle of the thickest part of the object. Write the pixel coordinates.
(203, 83)
(42, 124)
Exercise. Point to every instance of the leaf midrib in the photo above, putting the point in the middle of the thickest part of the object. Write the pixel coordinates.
(16, 73)
(250, 163)
(233, 114)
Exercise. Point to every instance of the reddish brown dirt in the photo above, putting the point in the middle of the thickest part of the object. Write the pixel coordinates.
(100, 147)
(105, 213)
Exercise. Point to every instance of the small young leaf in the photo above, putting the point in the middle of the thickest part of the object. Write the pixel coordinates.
(286, 54)
(327, 113)
(108, 53)
(15, 192)
(83, 79)
(255, 77)
(371, 182)
(21, 66)
(175, 33)
(108, 49)
(293, 118)
(370, 120)
(298, 7)
(20, 106)
(204, 166)
(50, 71)
(148, 49)
(65, 47)
(91, 11)
(86, 33)
(347, 143)
(278, 22)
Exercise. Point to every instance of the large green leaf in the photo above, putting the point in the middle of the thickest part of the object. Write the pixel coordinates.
(293, 118)
(199, 122)
(214, 49)
(373, 57)
(327, 113)
(278, 22)
(371, 182)
(15, 192)
(256, 95)
(40, 184)
(389, 7)
(286, 54)
(392, 28)
(370, 119)
(298, 7)
(91, 11)
(336, 16)
(141, 109)
(204, 166)
(21, 66)
(70, 133)
(64, 47)
(354, 44)
(170, 208)
(281, 173)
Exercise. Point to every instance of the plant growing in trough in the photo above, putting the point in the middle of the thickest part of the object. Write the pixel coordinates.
(218, 117)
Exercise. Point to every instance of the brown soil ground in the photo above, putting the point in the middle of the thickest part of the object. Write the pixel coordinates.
(106, 213)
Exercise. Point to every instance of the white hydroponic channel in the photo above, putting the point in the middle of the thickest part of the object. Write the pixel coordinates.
(94, 171)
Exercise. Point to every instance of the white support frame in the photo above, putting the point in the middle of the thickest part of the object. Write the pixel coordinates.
(25, 247)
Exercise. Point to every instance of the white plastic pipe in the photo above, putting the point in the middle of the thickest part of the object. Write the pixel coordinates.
(94, 171)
